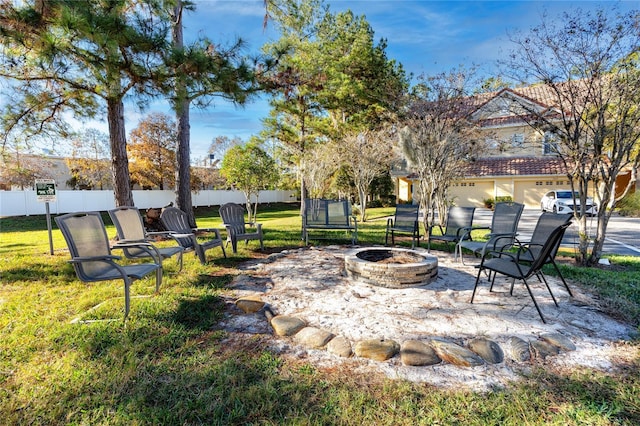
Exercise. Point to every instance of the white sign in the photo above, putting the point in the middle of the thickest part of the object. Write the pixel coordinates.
(46, 190)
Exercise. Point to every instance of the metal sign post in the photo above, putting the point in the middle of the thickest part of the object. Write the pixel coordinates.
(46, 192)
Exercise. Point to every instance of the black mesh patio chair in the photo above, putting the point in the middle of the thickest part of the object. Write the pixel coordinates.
(199, 240)
(237, 229)
(459, 221)
(547, 222)
(130, 229)
(525, 262)
(502, 231)
(91, 256)
(405, 221)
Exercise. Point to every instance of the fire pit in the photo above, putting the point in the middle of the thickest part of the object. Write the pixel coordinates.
(391, 267)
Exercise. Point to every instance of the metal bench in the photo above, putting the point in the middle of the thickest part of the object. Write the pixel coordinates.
(328, 215)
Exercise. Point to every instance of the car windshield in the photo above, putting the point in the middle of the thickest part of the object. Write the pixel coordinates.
(567, 194)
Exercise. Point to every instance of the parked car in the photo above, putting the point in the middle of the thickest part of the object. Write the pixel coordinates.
(561, 202)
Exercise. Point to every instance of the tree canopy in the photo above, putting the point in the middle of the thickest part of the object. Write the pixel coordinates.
(249, 169)
(333, 79)
(589, 64)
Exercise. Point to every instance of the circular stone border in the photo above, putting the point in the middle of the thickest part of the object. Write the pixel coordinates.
(391, 274)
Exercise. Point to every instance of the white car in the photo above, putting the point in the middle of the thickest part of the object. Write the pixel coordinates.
(561, 202)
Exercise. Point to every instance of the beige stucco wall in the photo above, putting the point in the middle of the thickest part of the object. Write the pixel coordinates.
(499, 142)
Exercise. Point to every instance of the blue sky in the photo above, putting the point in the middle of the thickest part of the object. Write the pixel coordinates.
(425, 36)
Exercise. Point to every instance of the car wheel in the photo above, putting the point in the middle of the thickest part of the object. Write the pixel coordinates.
(555, 209)
(542, 207)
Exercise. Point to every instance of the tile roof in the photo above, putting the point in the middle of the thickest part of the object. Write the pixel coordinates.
(515, 166)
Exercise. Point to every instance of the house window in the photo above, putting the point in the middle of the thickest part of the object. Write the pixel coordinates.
(538, 183)
(472, 184)
(549, 183)
(550, 144)
(463, 184)
(517, 139)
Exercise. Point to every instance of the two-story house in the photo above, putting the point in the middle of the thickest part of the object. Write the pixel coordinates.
(519, 162)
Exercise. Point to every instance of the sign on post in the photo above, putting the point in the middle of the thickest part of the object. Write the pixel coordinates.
(46, 190)
(46, 193)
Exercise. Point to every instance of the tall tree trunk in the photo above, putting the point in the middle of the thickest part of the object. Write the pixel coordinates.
(119, 160)
(183, 155)
(183, 158)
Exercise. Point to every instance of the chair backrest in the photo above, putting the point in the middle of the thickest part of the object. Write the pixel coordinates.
(233, 217)
(543, 253)
(129, 226)
(128, 223)
(175, 220)
(506, 217)
(406, 216)
(457, 218)
(321, 212)
(547, 223)
(86, 236)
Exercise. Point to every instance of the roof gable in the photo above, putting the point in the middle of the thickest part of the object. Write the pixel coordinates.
(507, 107)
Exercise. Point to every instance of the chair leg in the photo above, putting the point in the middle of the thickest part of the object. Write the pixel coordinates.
(180, 261)
(200, 253)
(534, 301)
(473, 295)
(549, 288)
(127, 297)
(561, 277)
(158, 278)
(492, 279)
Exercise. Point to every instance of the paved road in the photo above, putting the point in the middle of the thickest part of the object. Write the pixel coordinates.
(623, 233)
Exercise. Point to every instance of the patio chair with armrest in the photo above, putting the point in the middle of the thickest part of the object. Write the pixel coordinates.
(405, 221)
(130, 229)
(459, 221)
(91, 256)
(502, 231)
(176, 222)
(237, 229)
(526, 262)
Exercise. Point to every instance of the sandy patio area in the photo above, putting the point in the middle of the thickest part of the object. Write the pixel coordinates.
(311, 284)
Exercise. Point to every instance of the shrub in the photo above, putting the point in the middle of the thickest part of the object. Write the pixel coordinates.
(491, 202)
(630, 205)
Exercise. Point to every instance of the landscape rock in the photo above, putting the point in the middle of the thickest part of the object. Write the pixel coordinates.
(286, 325)
(543, 349)
(250, 304)
(313, 337)
(559, 340)
(377, 349)
(417, 353)
(488, 350)
(456, 354)
(340, 346)
(519, 349)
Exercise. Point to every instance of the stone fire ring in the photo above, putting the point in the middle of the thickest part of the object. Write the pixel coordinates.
(391, 267)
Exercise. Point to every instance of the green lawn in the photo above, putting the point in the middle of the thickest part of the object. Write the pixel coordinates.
(170, 365)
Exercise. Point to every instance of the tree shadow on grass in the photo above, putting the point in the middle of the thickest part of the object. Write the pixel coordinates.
(199, 314)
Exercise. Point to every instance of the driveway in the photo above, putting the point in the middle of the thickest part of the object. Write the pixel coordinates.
(623, 233)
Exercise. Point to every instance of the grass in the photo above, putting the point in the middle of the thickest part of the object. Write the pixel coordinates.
(169, 364)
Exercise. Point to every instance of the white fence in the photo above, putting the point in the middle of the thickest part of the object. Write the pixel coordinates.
(25, 203)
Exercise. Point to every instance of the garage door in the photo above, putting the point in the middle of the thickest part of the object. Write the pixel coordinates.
(529, 193)
(471, 194)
